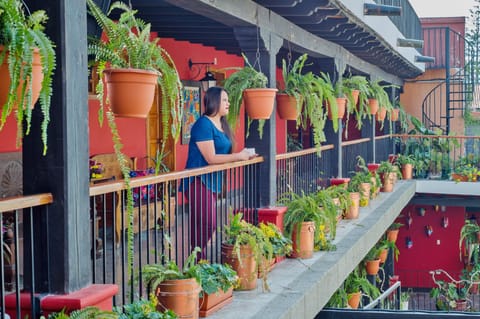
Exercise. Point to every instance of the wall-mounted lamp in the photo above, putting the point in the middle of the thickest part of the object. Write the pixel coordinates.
(373, 9)
(410, 43)
(424, 59)
(208, 80)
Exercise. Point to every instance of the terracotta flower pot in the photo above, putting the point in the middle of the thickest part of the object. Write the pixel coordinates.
(210, 303)
(303, 242)
(373, 106)
(355, 95)
(287, 107)
(181, 296)
(392, 235)
(381, 113)
(341, 106)
(130, 91)
(259, 102)
(372, 266)
(395, 115)
(388, 181)
(354, 299)
(354, 210)
(407, 171)
(37, 77)
(383, 256)
(246, 268)
(364, 189)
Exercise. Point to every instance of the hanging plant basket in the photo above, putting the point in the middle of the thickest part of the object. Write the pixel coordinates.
(287, 106)
(373, 106)
(381, 114)
(259, 102)
(394, 116)
(341, 107)
(130, 91)
(37, 77)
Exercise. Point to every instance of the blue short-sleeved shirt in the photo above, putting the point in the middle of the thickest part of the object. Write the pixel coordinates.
(205, 130)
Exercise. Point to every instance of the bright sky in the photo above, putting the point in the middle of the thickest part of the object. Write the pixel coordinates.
(442, 8)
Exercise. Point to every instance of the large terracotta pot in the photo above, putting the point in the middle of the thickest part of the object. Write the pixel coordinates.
(37, 78)
(303, 241)
(130, 91)
(181, 296)
(246, 268)
(259, 102)
(354, 299)
(287, 107)
(372, 266)
(407, 171)
(210, 303)
(354, 210)
(373, 106)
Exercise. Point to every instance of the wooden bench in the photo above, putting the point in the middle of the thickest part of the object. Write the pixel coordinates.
(112, 171)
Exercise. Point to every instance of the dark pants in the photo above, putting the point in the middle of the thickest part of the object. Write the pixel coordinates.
(203, 219)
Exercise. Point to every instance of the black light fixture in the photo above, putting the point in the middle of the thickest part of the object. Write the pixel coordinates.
(424, 59)
(411, 43)
(373, 9)
(208, 80)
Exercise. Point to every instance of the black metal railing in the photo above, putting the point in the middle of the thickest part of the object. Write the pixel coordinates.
(304, 171)
(173, 212)
(13, 269)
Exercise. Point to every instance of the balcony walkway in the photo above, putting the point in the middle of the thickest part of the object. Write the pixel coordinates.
(301, 288)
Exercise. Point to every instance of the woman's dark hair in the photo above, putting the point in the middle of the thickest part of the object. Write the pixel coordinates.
(212, 100)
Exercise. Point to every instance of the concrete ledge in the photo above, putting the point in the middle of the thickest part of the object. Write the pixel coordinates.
(301, 288)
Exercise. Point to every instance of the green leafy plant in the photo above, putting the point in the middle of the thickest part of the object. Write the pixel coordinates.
(216, 277)
(395, 226)
(144, 309)
(21, 35)
(154, 274)
(84, 313)
(281, 245)
(448, 293)
(468, 243)
(130, 45)
(390, 245)
(246, 77)
(403, 159)
(361, 111)
(309, 91)
(238, 233)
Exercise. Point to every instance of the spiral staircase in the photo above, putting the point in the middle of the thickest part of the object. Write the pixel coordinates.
(457, 89)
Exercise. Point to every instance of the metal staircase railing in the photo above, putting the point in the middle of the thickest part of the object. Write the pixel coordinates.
(455, 90)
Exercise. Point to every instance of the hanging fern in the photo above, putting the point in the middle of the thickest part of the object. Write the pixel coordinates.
(22, 35)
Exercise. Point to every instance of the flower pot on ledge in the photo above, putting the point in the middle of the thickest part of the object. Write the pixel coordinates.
(211, 303)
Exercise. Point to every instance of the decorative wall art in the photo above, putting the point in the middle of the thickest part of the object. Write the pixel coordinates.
(191, 108)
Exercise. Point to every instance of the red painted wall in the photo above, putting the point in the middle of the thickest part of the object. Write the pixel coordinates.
(427, 254)
(8, 136)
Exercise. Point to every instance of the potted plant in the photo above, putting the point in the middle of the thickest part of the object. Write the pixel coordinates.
(143, 308)
(245, 248)
(357, 284)
(384, 247)
(357, 90)
(301, 94)
(392, 231)
(336, 99)
(361, 182)
(281, 244)
(466, 173)
(218, 281)
(406, 163)
(372, 260)
(450, 294)
(341, 198)
(354, 194)
(378, 98)
(250, 86)
(387, 172)
(301, 221)
(176, 289)
(130, 52)
(27, 62)
(404, 298)
(468, 243)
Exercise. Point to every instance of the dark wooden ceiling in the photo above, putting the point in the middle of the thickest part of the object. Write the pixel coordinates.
(319, 17)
